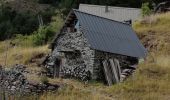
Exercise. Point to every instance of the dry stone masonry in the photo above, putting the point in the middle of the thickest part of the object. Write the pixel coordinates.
(75, 55)
(13, 81)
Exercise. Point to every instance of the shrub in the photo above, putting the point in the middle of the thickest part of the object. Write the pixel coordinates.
(44, 80)
(46, 33)
(146, 11)
(42, 35)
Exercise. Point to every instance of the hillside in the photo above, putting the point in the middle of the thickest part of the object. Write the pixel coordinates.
(154, 32)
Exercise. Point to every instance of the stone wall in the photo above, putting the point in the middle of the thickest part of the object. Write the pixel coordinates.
(75, 54)
(13, 81)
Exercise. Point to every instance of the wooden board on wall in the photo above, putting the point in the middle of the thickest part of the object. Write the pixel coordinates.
(112, 71)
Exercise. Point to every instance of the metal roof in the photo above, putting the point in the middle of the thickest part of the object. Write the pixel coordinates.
(110, 36)
(115, 13)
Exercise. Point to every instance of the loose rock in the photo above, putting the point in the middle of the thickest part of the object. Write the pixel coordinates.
(14, 82)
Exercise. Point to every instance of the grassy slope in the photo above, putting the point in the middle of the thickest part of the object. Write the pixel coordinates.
(151, 81)
(156, 37)
(19, 55)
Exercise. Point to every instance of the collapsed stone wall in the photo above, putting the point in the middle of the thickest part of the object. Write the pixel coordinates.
(128, 64)
(14, 82)
(76, 55)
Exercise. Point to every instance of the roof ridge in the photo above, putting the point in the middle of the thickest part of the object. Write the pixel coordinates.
(100, 17)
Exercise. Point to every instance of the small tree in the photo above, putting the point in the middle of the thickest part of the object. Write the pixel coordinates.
(146, 11)
(42, 35)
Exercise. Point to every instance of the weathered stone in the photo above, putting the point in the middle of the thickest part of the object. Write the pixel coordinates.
(51, 88)
(13, 88)
(76, 56)
(13, 81)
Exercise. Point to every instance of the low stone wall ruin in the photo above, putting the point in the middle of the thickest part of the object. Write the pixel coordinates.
(13, 81)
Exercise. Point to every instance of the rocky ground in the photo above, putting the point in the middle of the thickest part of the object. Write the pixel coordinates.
(14, 81)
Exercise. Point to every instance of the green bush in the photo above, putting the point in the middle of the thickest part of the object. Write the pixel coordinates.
(146, 11)
(42, 35)
(45, 34)
(44, 80)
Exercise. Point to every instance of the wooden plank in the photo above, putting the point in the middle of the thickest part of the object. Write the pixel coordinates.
(106, 72)
(55, 71)
(117, 64)
(114, 71)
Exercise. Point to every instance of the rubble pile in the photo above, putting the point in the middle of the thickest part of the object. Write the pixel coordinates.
(14, 81)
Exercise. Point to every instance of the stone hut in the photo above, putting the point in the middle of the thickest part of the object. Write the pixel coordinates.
(90, 47)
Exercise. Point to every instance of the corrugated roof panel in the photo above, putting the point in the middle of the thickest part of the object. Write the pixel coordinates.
(110, 36)
(117, 46)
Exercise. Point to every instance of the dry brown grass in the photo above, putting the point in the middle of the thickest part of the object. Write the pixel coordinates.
(150, 82)
(19, 55)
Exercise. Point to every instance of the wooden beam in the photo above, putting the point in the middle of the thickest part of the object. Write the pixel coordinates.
(117, 64)
(106, 72)
(114, 71)
(55, 71)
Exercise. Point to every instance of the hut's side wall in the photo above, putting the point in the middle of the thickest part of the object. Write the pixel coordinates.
(78, 57)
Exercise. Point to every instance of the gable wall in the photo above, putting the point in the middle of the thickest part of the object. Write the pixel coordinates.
(78, 63)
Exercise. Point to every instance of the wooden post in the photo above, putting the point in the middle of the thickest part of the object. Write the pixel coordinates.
(114, 70)
(54, 71)
(118, 67)
(106, 72)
